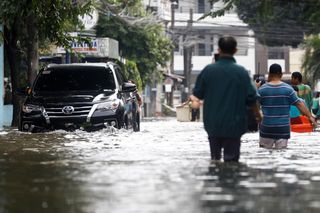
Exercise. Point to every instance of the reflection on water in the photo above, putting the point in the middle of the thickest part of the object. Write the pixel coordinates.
(163, 168)
(239, 188)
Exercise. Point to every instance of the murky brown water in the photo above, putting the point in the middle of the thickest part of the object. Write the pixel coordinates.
(163, 168)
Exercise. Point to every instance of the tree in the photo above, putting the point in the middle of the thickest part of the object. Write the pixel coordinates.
(311, 61)
(26, 22)
(276, 23)
(285, 22)
(141, 38)
(132, 73)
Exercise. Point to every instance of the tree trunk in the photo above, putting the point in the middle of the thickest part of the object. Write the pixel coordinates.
(13, 55)
(32, 48)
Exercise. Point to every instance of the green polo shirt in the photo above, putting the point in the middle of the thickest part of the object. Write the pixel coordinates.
(305, 93)
(227, 90)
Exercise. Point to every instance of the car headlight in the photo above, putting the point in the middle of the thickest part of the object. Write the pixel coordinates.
(27, 108)
(109, 105)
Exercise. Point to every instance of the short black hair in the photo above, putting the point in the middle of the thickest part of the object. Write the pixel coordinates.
(297, 75)
(275, 69)
(227, 44)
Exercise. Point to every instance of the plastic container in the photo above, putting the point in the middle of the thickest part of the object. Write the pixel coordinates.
(305, 126)
(183, 113)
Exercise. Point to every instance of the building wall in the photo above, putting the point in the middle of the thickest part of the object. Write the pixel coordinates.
(261, 59)
(296, 57)
(204, 36)
(199, 62)
(185, 6)
(252, 55)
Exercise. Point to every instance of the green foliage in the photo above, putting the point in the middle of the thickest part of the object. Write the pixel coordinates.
(141, 42)
(132, 73)
(311, 61)
(53, 18)
(277, 23)
(285, 22)
(26, 22)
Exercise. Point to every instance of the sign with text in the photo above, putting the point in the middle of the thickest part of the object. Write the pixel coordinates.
(101, 47)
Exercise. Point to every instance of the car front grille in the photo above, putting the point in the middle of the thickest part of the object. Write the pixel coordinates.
(80, 110)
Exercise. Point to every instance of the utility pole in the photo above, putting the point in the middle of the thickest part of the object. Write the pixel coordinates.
(173, 7)
(187, 61)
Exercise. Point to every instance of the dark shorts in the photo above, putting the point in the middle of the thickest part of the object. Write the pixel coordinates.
(230, 146)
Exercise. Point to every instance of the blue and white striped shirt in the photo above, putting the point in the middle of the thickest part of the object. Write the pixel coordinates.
(275, 103)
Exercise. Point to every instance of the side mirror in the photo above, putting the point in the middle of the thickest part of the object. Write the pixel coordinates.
(128, 87)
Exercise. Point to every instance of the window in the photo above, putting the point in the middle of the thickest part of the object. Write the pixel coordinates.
(75, 79)
(201, 6)
(119, 75)
(176, 47)
(202, 49)
(276, 54)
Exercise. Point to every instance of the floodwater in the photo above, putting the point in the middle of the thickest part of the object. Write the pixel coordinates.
(162, 169)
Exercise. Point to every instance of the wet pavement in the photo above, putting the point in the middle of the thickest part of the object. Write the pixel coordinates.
(164, 168)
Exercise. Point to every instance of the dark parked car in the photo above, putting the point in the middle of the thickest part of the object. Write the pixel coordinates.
(71, 96)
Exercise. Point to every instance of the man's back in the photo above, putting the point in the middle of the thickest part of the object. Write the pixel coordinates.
(275, 104)
(226, 88)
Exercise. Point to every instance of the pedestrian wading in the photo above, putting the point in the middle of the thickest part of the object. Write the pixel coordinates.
(275, 99)
(305, 91)
(226, 90)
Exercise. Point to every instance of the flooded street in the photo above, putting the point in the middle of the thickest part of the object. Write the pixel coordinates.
(164, 168)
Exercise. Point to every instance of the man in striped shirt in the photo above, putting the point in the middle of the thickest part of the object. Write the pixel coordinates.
(275, 99)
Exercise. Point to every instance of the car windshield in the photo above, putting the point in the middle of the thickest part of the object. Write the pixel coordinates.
(74, 79)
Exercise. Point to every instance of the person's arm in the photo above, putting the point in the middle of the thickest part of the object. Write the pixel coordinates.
(139, 99)
(256, 111)
(305, 111)
(198, 91)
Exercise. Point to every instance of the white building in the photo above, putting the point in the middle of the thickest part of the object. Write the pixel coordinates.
(202, 35)
(205, 33)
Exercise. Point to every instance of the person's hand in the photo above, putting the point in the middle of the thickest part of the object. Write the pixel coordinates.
(258, 83)
(195, 102)
(313, 121)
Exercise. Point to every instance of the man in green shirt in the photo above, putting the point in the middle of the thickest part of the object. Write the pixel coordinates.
(226, 90)
(305, 91)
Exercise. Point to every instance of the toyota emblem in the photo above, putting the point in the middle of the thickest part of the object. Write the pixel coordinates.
(68, 110)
